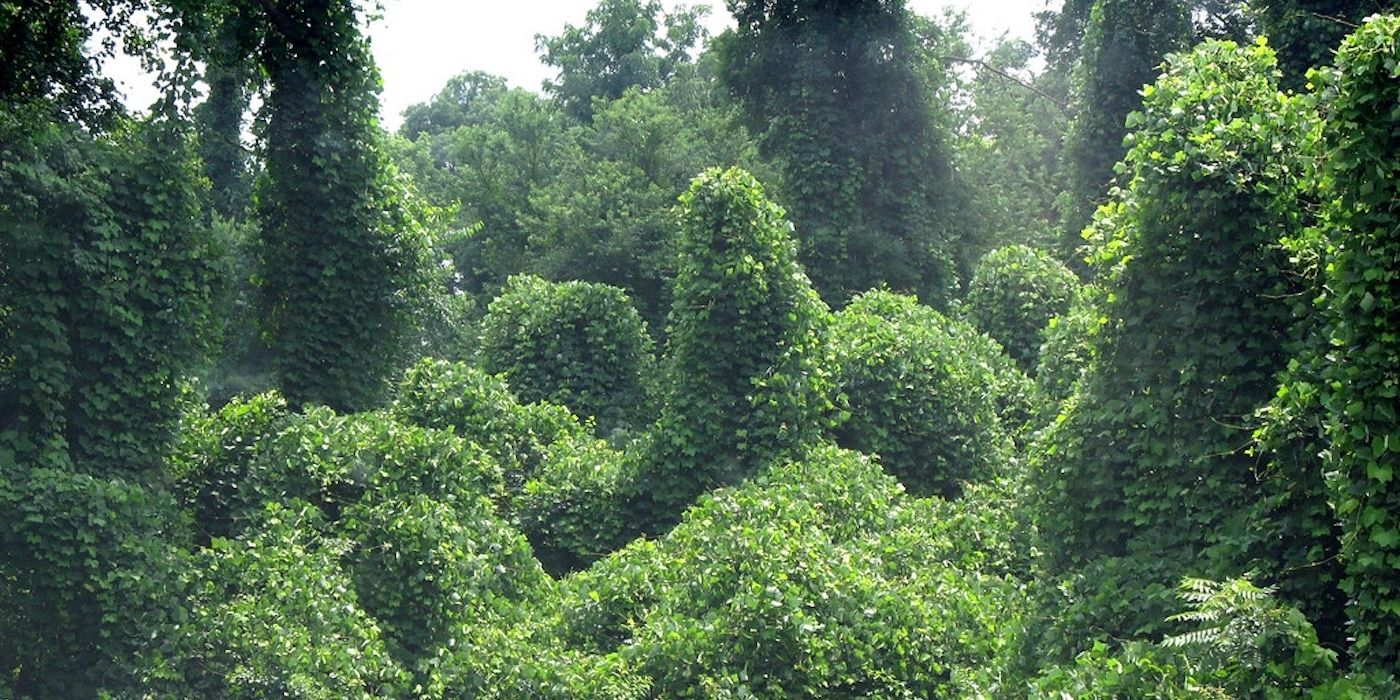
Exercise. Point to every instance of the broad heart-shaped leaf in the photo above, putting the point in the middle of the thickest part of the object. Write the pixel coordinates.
(1358, 382)
(1145, 462)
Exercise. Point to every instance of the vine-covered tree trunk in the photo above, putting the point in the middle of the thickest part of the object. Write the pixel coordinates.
(337, 261)
(841, 97)
(1361, 375)
(1124, 43)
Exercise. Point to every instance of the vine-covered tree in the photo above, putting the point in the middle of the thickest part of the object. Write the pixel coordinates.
(106, 280)
(1124, 43)
(743, 383)
(1360, 379)
(341, 261)
(917, 389)
(1015, 291)
(1143, 478)
(841, 96)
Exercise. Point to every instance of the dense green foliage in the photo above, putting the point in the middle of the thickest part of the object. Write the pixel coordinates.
(537, 193)
(90, 570)
(1305, 33)
(743, 383)
(480, 408)
(818, 578)
(842, 97)
(917, 389)
(1142, 478)
(1175, 481)
(1015, 292)
(275, 615)
(1008, 150)
(109, 273)
(44, 59)
(1359, 383)
(575, 344)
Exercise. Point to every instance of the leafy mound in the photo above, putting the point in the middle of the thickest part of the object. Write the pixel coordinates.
(920, 390)
(1015, 292)
(575, 344)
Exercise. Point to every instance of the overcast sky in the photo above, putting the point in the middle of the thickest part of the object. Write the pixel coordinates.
(419, 44)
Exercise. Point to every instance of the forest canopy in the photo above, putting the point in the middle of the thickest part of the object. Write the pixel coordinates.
(826, 357)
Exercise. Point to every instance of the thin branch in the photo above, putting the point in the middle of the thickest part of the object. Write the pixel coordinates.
(1009, 77)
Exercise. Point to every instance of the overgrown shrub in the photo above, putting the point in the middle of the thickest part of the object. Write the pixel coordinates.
(522, 661)
(90, 580)
(480, 408)
(1147, 461)
(275, 615)
(917, 389)
(794, 585)
(1015, 291)
(743, 383)
(335, 461)
(212, 463)
(424, 567)
(574, 344)
(573, 510)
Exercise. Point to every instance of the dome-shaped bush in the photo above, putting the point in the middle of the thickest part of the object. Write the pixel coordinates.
(576, 344)
(1015, 292)
(919, 390)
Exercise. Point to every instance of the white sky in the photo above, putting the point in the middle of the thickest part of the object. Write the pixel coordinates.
(419, 44)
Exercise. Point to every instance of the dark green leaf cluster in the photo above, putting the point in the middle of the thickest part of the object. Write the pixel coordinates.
(575, 344)
(918, 389)
(107, 276)
(744, 383)
(1015, 292)
(1360, 379)
(1146, 461)
(1306, 33)
(90, 572)
(46, 56)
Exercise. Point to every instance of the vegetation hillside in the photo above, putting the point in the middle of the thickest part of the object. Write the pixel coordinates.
(828, 357)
